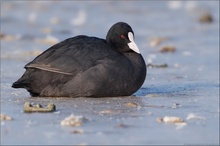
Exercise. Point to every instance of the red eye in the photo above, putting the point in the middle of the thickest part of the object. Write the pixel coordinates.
(122, 36)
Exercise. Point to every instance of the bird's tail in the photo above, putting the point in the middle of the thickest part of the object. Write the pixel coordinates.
(20, 84)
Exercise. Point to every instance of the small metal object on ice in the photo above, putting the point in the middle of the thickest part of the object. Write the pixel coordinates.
(38, 108)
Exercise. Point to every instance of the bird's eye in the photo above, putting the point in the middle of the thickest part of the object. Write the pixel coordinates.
(122, 36)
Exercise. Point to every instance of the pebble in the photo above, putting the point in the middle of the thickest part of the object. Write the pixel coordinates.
(122, 126)
(73, 120)
(169, 119)
(9, 37)
(206, 18)
(78, 131)
(131, 104)
(6, 117)
(165, 49)
(156, 41)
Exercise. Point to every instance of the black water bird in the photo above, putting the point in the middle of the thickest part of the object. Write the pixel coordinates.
(84, 66)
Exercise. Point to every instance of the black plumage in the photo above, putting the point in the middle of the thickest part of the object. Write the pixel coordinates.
(87, 66)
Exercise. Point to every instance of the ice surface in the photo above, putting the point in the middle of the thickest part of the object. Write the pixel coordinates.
(190, 81)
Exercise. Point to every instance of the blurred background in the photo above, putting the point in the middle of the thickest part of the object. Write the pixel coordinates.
(179, 41)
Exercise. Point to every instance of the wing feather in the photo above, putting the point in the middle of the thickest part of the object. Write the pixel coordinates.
(47, 68)
(73, 55)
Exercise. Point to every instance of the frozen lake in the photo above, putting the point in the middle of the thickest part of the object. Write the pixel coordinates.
(188, 86)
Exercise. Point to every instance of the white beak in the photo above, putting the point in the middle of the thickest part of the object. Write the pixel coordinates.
(132, 45)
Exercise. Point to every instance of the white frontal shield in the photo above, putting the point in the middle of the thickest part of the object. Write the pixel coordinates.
(132, 45)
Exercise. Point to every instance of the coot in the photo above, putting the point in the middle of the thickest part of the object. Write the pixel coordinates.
(84, 66)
